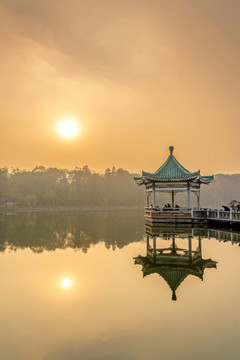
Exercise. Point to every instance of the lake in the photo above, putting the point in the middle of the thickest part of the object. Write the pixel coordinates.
(97, 285)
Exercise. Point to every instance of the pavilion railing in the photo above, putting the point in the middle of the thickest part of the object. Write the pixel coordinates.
(168, 212)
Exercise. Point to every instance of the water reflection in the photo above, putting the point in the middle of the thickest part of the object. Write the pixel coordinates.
(173, 263)
(81, 230)
(94, 304)
(76, 230)
(220, 234)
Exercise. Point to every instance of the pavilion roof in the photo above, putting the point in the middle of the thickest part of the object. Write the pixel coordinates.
(171, 171)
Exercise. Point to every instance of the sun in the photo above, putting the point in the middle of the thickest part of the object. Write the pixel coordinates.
(66, 283)
(68, 128)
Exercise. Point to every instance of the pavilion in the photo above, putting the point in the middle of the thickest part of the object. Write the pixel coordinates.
(174, 264)
(172, 178)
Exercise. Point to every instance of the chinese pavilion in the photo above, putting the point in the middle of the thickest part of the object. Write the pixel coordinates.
(172, 177)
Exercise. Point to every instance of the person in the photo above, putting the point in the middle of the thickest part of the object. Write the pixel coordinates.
(238, 207)
(226, 208)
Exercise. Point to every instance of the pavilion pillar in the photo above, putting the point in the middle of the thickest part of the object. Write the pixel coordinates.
(198, 199)
(188, 197)
(173, 204)
(147, 198)
(153, 195)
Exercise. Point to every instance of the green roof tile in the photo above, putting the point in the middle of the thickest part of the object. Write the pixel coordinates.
(172, 170)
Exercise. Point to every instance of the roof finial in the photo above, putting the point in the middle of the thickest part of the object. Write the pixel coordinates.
(171, 149)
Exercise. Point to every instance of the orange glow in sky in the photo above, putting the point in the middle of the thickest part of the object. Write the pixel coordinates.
(140, 76)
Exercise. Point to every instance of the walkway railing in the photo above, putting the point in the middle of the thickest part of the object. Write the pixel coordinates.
(224, 215)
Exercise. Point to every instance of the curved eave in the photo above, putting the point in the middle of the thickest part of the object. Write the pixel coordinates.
(206, 179)
(195, 177)
(192, 177)
(139, 180)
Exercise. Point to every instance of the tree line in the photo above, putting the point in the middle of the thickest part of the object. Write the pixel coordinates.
(50, 187)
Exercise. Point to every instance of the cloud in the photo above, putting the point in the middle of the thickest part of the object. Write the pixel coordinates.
(122, 60)
(109, 39)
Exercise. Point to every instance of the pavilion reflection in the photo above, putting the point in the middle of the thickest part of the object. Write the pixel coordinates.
(173, 263)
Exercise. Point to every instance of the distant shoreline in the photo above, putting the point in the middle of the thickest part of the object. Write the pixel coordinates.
(4, 210)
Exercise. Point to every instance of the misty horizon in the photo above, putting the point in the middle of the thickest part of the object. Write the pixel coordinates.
(100, 172)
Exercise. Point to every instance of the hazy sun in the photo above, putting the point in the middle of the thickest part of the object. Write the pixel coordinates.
(68, 128)
(66, 283)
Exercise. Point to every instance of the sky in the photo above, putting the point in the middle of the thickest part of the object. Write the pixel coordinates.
(136, 75)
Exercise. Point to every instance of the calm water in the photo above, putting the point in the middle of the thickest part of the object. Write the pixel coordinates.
(95, 286)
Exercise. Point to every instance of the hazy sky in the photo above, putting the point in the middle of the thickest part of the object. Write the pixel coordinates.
(138, 75)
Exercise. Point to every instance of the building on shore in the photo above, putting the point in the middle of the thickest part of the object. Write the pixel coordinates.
(172, 178)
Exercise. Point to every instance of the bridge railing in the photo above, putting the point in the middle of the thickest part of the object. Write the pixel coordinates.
(224, 215)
